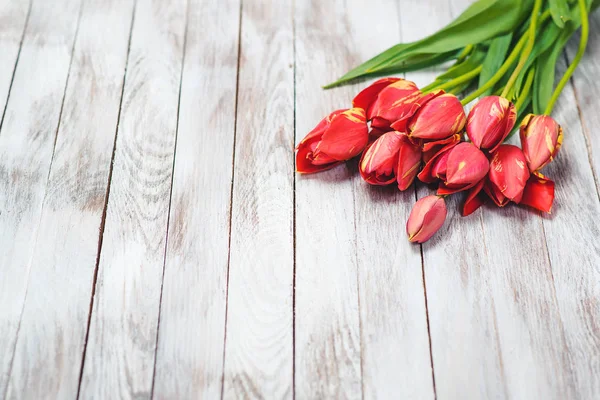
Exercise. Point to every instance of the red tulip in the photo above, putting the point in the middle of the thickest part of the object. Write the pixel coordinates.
(541, 138)
(379, 162)
(490, 121)
(426, 218)
(539, 193)
(439, 118)
(392, 157)
(508, 175)
(388, 100)
(461, 168)
(339, 137)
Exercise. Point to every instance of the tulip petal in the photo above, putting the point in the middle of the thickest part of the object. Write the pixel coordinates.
(541, 139)
(508, 171)
(439, 118)
(539, 193)
(426, 218)
(347, 136)
(467, 165)
(321, 127)
(409, 161)
(378, 163)
(305, 160)
(475, 199)
(490, 121)
(402, 113)
(394, 99)
(495, 194)
(430, 149)
(368, 96)
(430, 173)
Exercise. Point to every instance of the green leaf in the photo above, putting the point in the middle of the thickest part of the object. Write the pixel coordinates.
(483, 20)
(494, 59)
(560, 12)
(468, 65)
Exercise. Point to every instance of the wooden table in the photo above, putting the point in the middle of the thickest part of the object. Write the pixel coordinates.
(156, 242)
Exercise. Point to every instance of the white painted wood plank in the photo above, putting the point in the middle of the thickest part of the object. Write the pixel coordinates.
(192, 319)
(120, 355)
(64, 258)
(587, 88)
(13, 18)
(26, 146)
(259, 337)
(327, 334)
(572, 231)
(465, 351)
(396, 360)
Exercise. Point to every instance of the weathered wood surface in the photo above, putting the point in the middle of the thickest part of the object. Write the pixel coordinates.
(64, 257)
(27, 137)
(189, 360)
(120, 352)
(150, 142)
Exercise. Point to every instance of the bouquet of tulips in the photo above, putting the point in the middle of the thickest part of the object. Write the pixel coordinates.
(505, 54)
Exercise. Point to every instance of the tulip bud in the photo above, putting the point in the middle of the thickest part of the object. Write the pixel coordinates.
(379, 162)
(339, 137)
(541, 138)
(508, 175)
(539, 193)
(388, 100)
(463, 167)
(426, 218)
(439, 118)
(490, 121)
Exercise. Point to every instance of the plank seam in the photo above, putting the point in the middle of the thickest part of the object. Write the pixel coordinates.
(294, 214)
(36, 233)
(105, 207)
(12, 79)
(235, 128)
(162, 281)
(360, 324)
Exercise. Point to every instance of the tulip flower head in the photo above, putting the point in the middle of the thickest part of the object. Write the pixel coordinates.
(339, 137)
(392, 157)
(461, 168)
(541, 139)
(440, 117)
(508, 175)
(490, 121)
(426, 218)
(388, 100)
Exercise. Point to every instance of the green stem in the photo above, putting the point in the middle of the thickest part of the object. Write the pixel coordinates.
(526, 89)
(527, 52)
(465, 53)
(469, 76)
(505, 67)
(585, 32)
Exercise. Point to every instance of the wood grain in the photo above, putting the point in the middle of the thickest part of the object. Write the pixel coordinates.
(570, 233)
(192, 320)
(50, 345)
(13, 18)
(327, 333)
(26, 147)
(259, 337)
(395, 357)
(122, 339)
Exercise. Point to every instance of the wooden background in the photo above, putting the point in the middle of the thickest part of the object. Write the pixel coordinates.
(156, 242)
